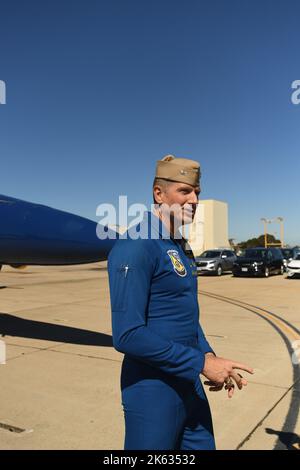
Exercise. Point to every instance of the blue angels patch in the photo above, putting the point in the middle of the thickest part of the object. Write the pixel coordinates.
(178, 265)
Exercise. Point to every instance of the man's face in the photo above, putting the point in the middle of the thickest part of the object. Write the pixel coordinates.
(182, 197)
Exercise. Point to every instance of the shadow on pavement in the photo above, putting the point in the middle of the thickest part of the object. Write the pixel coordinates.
(287, 440)
(11, 325)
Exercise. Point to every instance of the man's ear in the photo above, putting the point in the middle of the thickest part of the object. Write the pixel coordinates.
(157, 193)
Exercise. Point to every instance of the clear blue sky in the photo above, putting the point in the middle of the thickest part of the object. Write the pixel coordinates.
(98, 90)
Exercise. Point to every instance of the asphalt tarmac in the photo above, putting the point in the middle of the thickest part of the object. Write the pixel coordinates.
(60, 383)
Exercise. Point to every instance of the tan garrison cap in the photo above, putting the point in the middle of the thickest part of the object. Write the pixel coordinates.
(180, 170)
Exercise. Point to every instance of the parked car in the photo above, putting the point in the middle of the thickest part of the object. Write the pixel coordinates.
(289, 254)
(215, 261)
(293, 267)
(259, 262)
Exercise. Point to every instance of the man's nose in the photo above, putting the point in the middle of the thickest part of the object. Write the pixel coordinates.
(193, 199)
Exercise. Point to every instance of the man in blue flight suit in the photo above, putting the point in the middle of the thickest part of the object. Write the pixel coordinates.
(155, 323)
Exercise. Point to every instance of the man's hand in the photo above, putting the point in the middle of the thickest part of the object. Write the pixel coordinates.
(219, 371)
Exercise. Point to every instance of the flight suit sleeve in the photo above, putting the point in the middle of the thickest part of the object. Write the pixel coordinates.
(130, 269)
(203, 344)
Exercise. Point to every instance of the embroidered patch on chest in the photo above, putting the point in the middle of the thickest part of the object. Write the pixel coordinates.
(178, 265)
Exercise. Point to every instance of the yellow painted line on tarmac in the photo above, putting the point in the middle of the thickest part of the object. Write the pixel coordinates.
(291, 334)
(281, 325)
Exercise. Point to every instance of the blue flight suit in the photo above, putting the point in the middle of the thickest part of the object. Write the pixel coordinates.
(155, 323)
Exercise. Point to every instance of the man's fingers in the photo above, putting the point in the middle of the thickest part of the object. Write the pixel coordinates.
(239, 365)
(244, 381)
(230, 392)
(238, 379)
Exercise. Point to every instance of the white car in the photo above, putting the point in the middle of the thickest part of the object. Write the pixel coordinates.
(293, 267)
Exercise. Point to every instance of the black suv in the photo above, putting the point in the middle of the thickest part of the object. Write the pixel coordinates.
(259, 262)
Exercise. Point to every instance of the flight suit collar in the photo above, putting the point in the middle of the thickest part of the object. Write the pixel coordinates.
(158, 227)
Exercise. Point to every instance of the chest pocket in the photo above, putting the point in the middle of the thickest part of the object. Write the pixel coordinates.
(119, 289)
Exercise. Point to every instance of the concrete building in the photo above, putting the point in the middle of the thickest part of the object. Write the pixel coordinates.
(210, 227)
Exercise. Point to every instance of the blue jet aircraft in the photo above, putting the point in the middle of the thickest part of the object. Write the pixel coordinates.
(34, 234)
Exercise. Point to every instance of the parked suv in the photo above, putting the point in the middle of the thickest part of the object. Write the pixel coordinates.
(215, 261)
(259, 262)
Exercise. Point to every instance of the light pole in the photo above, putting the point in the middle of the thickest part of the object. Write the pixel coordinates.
(280, 220)
(269, 221)
(265, 222)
